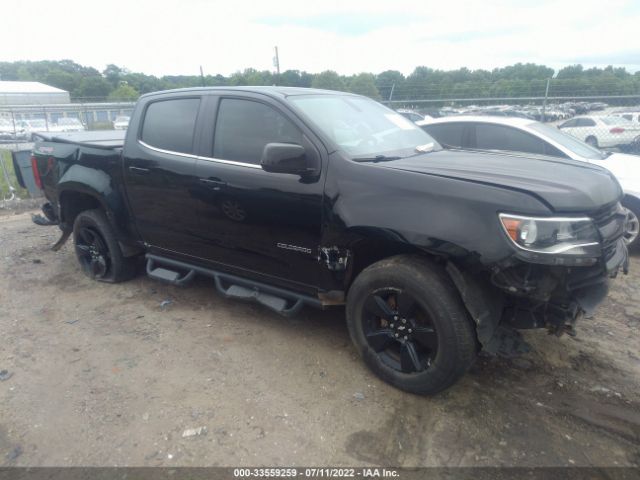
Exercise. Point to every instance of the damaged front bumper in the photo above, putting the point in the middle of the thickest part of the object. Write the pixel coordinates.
(520, 295)
(556, 297)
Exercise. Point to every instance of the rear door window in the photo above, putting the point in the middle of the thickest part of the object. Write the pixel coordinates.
(499, 137)
(585, 122)
(244, 127)
(170, 124)
(447, 133)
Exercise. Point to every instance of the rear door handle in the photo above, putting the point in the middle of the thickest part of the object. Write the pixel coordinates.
(139, 170)
(213, 184)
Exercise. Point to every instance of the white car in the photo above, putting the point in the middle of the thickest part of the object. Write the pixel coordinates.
(529, 136)
(121, 123)
(34, 126)
(8, 131)
(413, 115)
(629, 115)
(69, 125)
(603, 131)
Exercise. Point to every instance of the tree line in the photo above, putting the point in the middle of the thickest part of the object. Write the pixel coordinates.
(424, 83)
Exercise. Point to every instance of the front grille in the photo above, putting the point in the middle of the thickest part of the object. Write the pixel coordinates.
(610, 223)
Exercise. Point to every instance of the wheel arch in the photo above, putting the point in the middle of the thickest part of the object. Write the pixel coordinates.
(74, 198)
(633, 200)
(483, 303)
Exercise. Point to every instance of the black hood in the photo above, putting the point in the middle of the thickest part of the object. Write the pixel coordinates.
(564, 185)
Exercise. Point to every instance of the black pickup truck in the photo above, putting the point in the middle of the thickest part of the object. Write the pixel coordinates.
(293, 197)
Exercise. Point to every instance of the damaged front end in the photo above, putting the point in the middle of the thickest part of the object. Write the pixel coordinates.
(544, 285)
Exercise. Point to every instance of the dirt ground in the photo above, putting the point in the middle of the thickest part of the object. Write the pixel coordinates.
(110, 375)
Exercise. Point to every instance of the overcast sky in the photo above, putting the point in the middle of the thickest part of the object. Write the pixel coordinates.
(161, 37)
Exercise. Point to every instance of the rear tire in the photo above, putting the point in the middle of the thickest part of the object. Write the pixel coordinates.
(409, 324)
(98, 251)
(593, 141)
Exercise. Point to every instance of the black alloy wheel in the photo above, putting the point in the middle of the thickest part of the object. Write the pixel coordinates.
(399, 330)
(92, 252)
(408, 322)
(98, 250)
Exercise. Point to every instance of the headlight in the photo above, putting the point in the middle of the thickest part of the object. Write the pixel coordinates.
(566, 236)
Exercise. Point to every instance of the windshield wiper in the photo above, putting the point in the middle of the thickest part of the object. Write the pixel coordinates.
(446, 146)
(377, 158)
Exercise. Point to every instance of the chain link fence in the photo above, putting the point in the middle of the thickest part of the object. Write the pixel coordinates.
(19, 123)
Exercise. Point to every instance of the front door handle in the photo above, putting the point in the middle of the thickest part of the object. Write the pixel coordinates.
(139, 170)
(213, 184)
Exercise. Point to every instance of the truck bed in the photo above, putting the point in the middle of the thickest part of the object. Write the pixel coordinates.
(109, 139)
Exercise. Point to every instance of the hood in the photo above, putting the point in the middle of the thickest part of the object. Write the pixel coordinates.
(564, 185)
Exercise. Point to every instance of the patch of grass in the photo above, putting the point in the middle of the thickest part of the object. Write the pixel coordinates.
(5, 155)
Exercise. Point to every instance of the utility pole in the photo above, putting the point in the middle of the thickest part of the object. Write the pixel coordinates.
(201, 75)
(391, 92)
(276, 63)
(546, 94)
(544, 103)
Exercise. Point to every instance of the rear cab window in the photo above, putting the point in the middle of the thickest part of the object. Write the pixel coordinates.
(170, 124)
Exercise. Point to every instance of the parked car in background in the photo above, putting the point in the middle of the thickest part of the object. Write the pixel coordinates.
(34, 126)
(520, 135)
(121, 123)
(69, 125)
(632, 116)
(8, 131)
(603, 131)
(413, 115)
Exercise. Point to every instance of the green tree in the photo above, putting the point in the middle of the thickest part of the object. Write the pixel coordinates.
(113, 74)
(328, 80)
(390, 81)
(124, 93)
(364, 84)
(61, 79)
(96, 88)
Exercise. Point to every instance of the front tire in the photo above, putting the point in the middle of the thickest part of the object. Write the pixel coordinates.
(632, 225)
(408, 323)
(97, 249)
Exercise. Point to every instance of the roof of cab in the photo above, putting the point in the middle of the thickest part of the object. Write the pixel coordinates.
(273, 91)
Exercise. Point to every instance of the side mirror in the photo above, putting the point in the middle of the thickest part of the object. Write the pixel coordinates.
(285, 158)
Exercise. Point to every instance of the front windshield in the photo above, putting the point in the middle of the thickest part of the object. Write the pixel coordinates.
(569, 142)
(363, 127)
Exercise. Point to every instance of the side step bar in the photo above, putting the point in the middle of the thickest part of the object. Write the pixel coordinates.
(284, 302)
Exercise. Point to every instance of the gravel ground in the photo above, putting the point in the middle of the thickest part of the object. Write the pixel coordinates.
(142, 373)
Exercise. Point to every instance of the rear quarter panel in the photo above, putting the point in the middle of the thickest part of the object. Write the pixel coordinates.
(68, 168)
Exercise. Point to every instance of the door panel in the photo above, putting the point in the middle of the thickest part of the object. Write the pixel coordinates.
(160, 175)
(252, 220)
